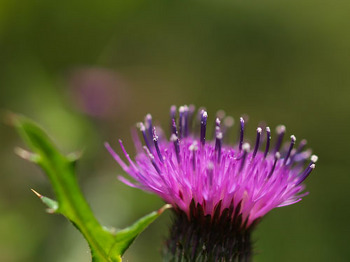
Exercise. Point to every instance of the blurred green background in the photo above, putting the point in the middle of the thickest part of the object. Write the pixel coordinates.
(87, 71)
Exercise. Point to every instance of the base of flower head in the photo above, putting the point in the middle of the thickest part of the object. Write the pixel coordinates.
(221, 237)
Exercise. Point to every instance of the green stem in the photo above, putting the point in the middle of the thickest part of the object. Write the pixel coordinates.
(105, 246)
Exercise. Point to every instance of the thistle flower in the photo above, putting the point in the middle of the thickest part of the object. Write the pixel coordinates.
(219, 191)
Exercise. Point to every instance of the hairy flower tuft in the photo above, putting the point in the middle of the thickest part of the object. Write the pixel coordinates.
(213, 183)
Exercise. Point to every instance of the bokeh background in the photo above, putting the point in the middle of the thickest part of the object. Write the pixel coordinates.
(87, 71)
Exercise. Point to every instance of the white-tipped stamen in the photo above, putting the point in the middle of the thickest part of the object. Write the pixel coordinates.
(181, 121)
(314, 159)
(268, 140)
(305, 174)
(257, 142)
(218, 144)
(194, 147)
(277, 157)
(149, 126)
(217, 122)
(246, 149)
(172, 111)
(292, 143)
(280, 130)
(144, 135)
(141, 126)
(173, 138)
(204, 117)
(156, 145)
(241, 133)
(219, 135)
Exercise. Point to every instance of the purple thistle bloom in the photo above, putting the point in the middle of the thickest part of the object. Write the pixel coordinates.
(227, 188)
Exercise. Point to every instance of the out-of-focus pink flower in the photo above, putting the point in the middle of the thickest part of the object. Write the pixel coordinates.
(97, 92)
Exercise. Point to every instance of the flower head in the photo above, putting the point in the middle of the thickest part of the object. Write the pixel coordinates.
(189, 168)
(210, 178)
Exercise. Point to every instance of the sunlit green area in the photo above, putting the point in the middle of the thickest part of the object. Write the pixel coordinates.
(87, 71)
